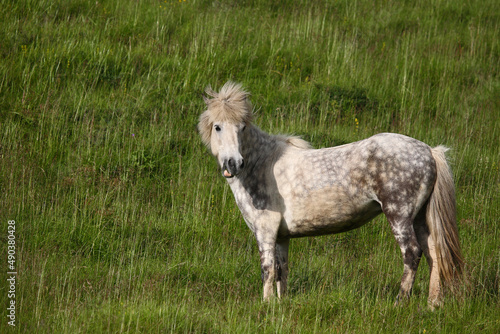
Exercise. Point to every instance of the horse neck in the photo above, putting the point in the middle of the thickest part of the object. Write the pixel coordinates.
(259, 148)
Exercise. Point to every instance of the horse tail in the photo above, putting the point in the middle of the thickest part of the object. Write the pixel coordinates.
(441, 220)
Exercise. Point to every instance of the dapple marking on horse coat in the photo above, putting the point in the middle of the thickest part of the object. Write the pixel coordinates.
(286, 189)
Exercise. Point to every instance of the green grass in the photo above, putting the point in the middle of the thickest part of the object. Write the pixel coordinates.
(123, 223)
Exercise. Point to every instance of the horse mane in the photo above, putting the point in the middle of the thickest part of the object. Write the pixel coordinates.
(230, 104)
(294, 141)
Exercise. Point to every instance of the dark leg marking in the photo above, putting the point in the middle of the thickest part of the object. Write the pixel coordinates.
(281, 266)
(410, 249)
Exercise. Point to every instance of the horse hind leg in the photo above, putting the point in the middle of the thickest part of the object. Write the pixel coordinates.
(427, 243)
(403, 231)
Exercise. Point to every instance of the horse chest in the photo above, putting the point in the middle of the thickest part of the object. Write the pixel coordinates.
(256, 204)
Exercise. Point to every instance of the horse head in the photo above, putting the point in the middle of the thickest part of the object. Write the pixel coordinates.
(222, 124)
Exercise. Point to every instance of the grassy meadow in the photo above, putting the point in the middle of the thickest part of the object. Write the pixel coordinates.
(123, 221)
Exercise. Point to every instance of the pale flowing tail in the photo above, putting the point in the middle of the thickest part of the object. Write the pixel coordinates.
(441, 220)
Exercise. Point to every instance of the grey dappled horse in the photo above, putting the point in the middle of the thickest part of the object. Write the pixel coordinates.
(286, 189)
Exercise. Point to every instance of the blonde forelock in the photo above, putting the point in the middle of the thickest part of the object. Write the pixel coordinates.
(231, 104)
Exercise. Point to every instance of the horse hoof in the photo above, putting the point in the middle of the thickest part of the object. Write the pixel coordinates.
(434, 304)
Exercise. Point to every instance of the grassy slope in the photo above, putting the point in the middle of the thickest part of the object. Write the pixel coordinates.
(123, 221)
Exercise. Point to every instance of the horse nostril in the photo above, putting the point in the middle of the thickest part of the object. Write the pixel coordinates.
(233, 165)
(242, 164)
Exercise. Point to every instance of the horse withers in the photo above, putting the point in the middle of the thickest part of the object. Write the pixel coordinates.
(286, 189)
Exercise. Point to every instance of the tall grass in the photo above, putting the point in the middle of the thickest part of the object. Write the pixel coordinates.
(123, 221)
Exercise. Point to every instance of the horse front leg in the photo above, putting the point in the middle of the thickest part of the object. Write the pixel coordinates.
(266, 242)
(268, 270)
(281, 266)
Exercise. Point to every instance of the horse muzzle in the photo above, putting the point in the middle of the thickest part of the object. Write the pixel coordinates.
(232, 167)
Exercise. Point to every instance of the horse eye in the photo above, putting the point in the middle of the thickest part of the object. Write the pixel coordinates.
(217, 128)
(244, 127)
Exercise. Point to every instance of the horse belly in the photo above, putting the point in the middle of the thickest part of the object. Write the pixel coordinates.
(318, 215)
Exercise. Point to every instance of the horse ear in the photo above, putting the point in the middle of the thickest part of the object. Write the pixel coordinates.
(206, 100)
(210, 92)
